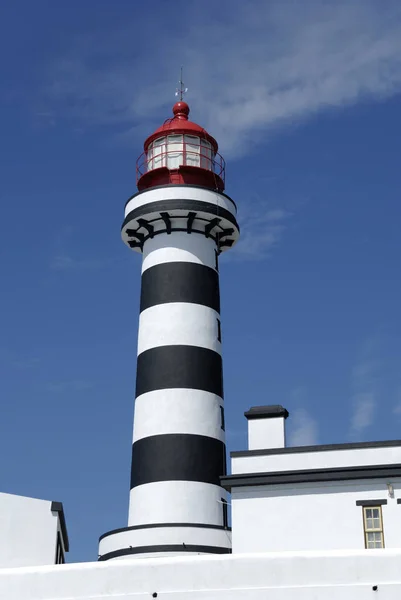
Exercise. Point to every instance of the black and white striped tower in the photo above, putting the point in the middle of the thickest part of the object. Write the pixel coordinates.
(180, 220)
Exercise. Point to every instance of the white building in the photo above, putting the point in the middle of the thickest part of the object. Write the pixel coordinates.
(312, 498)
(32, 532)
(319, 522)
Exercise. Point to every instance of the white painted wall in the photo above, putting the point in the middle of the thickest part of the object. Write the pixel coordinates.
(187, 501)
(318, 517)
(279, 576)
(28, 532)
(266, 433)
(178, 411)
(183, 247)
(316, 460)
(176, 323)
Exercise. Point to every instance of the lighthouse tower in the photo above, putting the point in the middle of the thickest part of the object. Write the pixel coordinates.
(180, 220)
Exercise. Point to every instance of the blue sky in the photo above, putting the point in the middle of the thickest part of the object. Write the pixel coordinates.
(304, 101)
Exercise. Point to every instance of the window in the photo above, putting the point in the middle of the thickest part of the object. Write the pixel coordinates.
(206, 155)
(59, 551)
(222, 420)
(218, 330)
(156, 154)
(373, 526)
(174, 151)
(225, 512)
(216, 260)
(192, 150)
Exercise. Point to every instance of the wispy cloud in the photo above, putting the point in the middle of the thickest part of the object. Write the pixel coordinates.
(305, 430)
(364, 405)
(261, 229)
(75, 385)
(364, 384)
(397, 406)
(68, 238)
(251, 66)
(65, 262)
(11, 359)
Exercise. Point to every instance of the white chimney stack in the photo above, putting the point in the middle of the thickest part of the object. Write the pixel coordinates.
(266, 427)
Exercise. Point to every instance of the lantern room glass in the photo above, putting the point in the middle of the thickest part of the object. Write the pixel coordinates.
(174, 151)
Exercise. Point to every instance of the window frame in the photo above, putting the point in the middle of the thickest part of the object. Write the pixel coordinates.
(216, 260)
(222, 418)
(367, 530)
(225, 512)
(156, 153)
(206, 155)
(218, 329)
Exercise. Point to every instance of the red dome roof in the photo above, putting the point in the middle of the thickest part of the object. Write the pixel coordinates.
(179, 124)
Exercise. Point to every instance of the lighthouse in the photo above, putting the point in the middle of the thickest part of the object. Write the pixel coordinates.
(180, 221)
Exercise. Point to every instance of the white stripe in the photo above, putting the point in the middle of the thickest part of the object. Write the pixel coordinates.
(178, 323)
(178, 411)
(176, 502)
(179, 247)
(180, 193)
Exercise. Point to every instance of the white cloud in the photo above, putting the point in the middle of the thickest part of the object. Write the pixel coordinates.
(305, 429)
(75, 385)
(261, 229)
(397, 407)
(64, 262)
(364, 405)
(250, 66)
(364, 384)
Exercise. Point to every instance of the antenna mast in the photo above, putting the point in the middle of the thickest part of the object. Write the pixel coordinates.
(182, 90)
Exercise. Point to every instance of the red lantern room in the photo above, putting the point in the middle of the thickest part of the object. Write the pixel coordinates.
(180, 152)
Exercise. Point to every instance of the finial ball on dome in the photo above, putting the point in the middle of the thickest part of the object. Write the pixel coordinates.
(181, 109)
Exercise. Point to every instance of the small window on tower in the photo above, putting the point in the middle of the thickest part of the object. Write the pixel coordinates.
(225, 512)
(222, 420)
(216, 260)
(218, 330)
(373, 526)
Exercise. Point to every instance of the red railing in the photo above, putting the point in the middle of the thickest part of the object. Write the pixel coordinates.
(182, 155)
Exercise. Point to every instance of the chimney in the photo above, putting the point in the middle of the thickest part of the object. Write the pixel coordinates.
(266, 427)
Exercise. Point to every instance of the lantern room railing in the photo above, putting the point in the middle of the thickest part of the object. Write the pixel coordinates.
(175, 155)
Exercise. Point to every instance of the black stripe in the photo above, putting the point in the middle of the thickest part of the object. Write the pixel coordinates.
(166, 548)
(155, 525)
(189, 367)
(311, 476)
(180, 204)
(177, 457)
(179, 185)
(180, 282)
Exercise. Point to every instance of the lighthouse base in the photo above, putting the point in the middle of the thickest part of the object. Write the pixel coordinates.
(170, 539)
